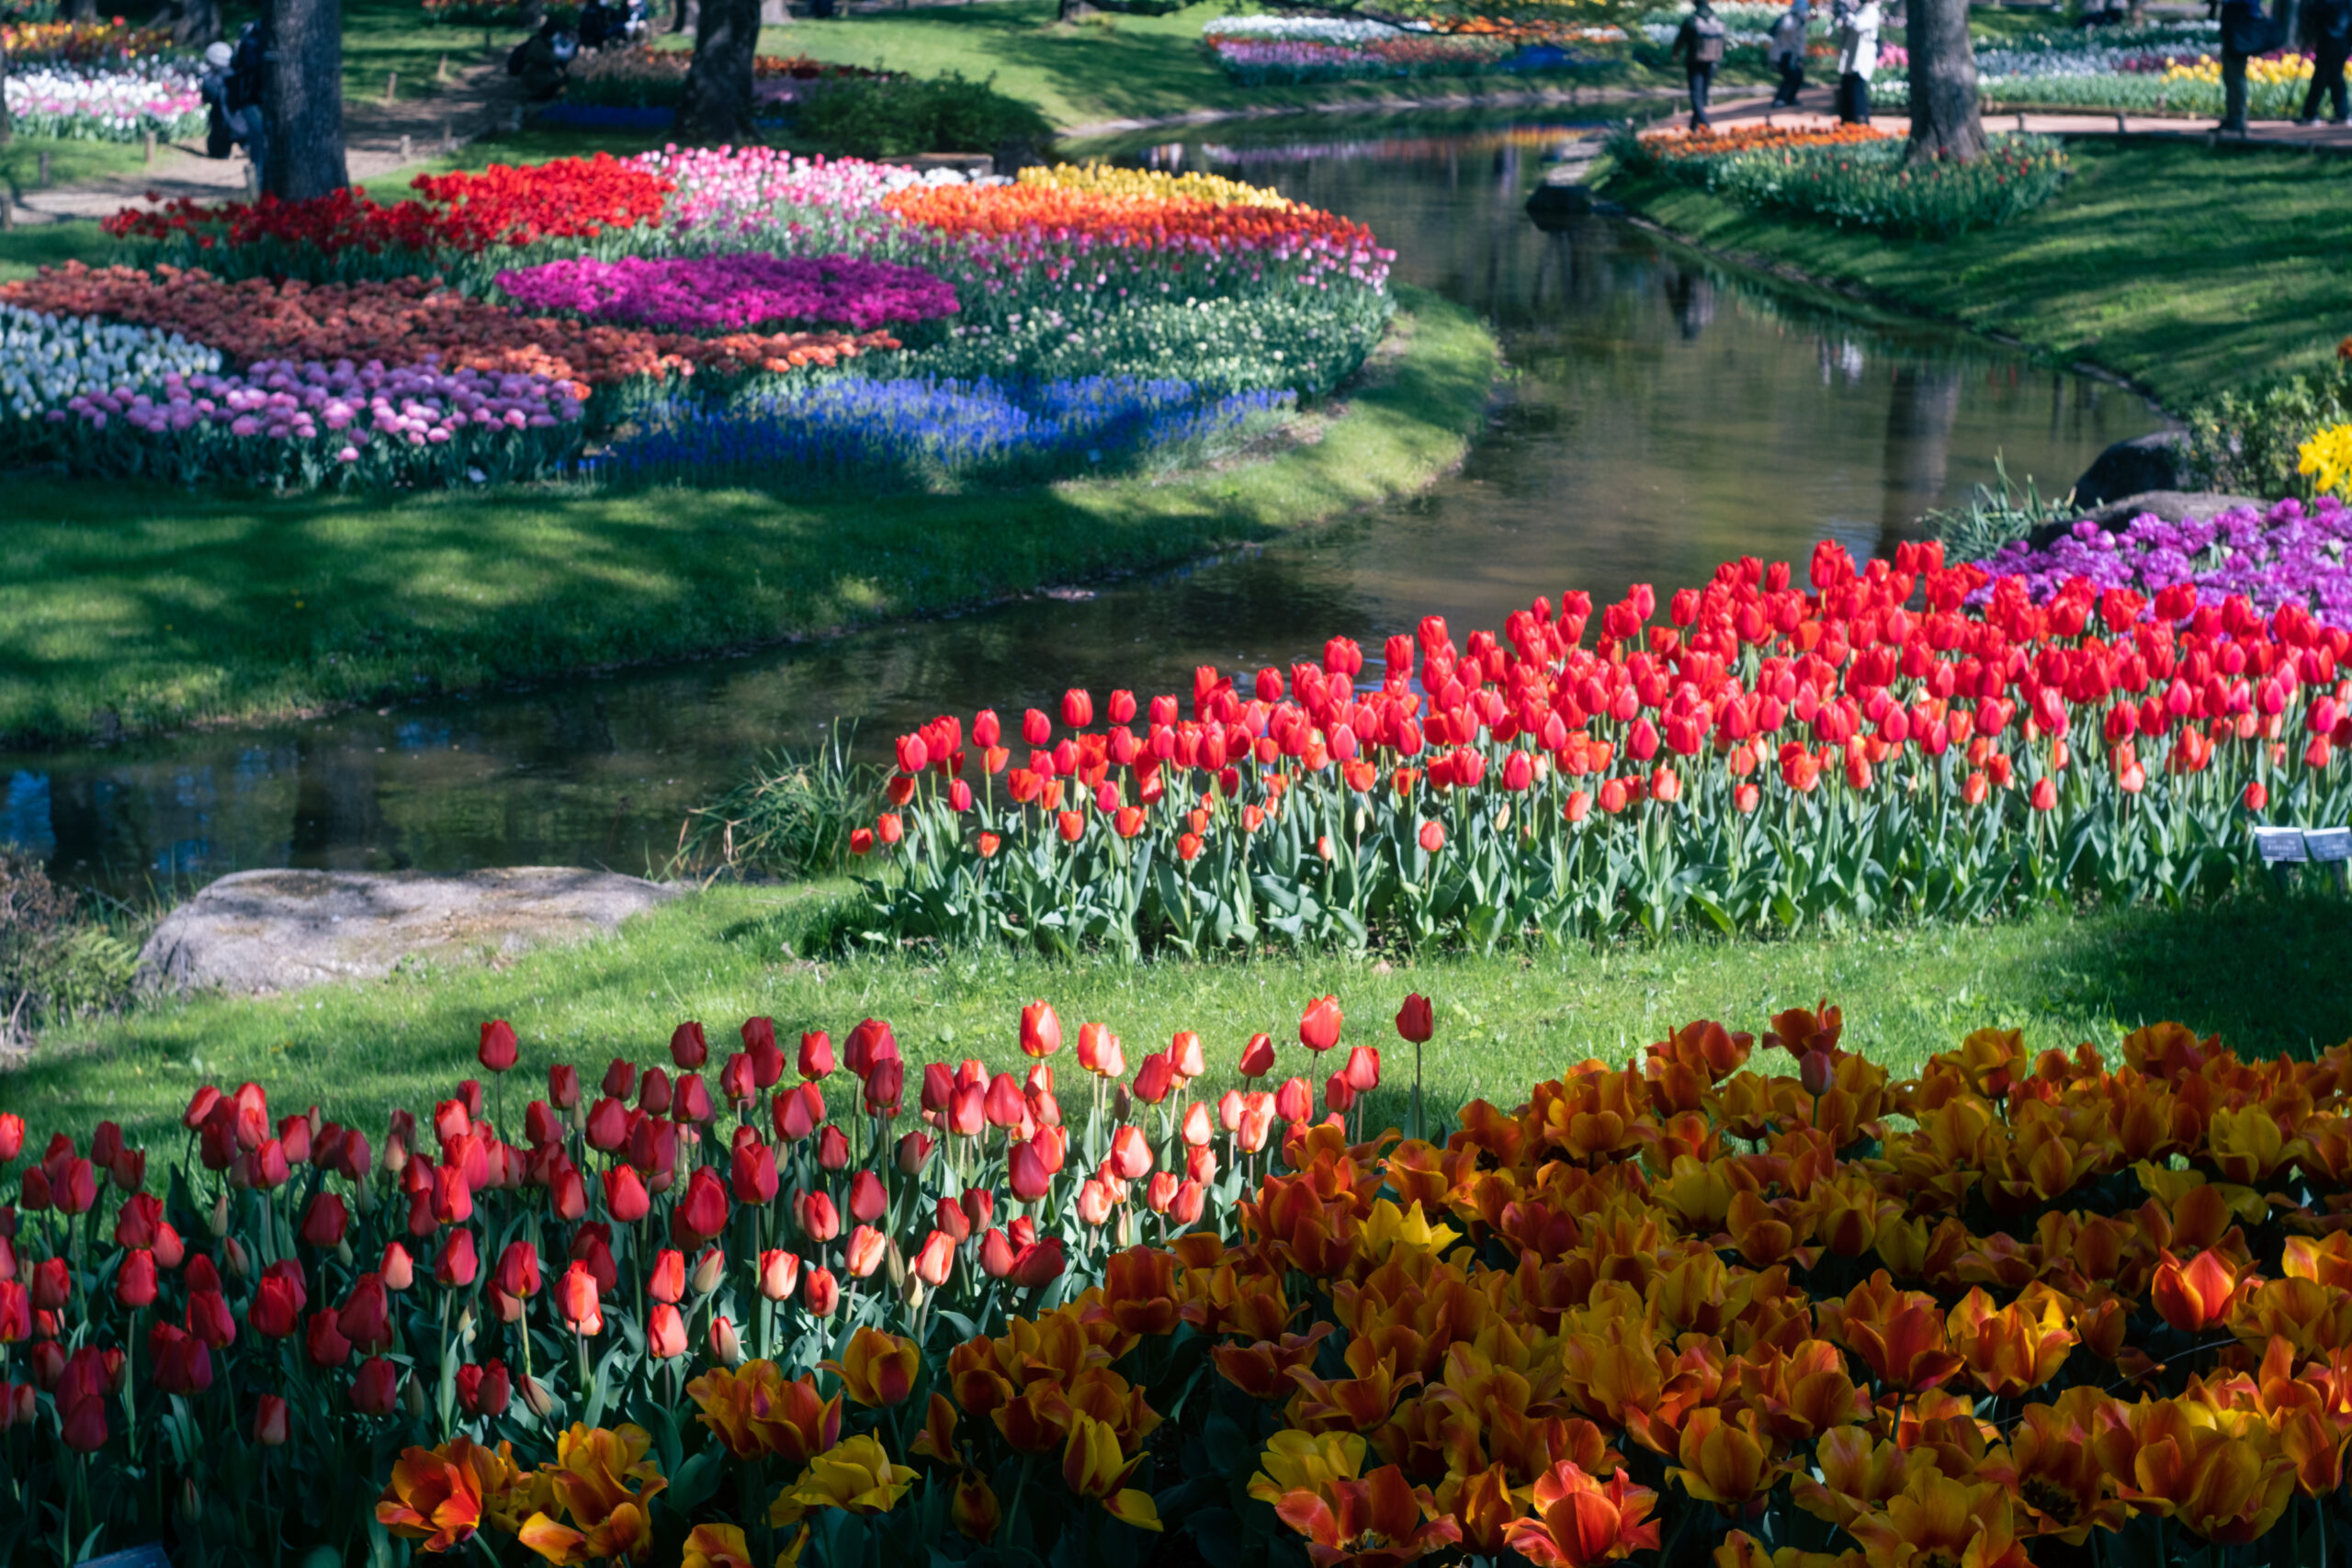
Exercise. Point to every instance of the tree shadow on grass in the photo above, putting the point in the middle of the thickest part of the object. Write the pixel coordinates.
(2270, 973)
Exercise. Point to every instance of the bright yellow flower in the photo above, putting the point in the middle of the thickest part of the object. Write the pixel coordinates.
(1295, 1461)
(877, 1368)
(855, 1476)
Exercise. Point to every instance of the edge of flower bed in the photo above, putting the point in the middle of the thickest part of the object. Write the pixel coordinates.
(1637, 194)
(526, 610)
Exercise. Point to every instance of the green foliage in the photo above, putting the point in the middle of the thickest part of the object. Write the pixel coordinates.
(1994, 519)
(56, 962)
(791, 818)
(895, 116)
(1871, 187)
(2244, 441)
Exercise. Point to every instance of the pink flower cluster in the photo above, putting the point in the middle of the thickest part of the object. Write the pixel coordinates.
(282, 400)
(732, 293)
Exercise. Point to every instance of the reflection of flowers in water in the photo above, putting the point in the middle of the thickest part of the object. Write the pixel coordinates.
(1544, 136)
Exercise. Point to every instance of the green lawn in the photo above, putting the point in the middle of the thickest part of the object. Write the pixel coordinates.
(72, 160)
(149, 608)
(1504, 1023)
(2187, 268)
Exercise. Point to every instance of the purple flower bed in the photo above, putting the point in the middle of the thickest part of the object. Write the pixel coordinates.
(734, 293)
(284, 424)
(2290, 553)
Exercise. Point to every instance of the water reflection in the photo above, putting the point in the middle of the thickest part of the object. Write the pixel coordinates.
(1664, 414)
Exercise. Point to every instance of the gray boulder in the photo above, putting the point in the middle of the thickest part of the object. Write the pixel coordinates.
(279, 931)
(2137, 466)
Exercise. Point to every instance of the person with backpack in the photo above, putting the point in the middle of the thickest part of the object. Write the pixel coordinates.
(1857, 61)
(1701, 42)
(2330, 22)
(1787, 53)
(237, 97)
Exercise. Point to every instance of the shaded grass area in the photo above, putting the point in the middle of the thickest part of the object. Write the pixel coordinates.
(2187, 268)
(133, 608)
(72, 159)
(2269, 973)
(24, 252)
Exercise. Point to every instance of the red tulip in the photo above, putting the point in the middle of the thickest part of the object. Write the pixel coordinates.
(518, 1270)
(885, 1086)
(134, 1282)
(861, 840)
(815, 1215)
(688, 1047)
(12, 1135)
(869, 1043)
(1154, 1079)
(624, 1196)
(1041, 1030)
(1339, 1097)
(183, 1364)
(484, 1389)
(996, 1255)
(1185, 1056)
(753, 1175)
(1295, 1101)
(913, 1153)
(737, 1081)
(767, 1056)
(1040, 1264)
(653, 1092)
(665, 1332)
(366, 1318)
(324, 1221)
(1027, 1173)
(1130, 1154)
(74, 1185)
(376, 1388)
(702, 1213)
(1318, 1027)
(270, 1421)
(1415, 1021)
(797, 1111)
(937, 1258)
(779, 1274)
(820, 1292)
(498, 1045)
(397, 1268)
(53, 1286)
(16, 1313)
(1258, 1056)
(457, 1263)
(1362, 1070)
(864, 1251)
(324, 1341)
(620, 1080)
(563, 1086)
(607, 1125)
(575, 1296)
(1004, 1105)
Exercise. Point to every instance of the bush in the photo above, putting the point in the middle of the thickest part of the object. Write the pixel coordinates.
(883, 117)
(2244, 441)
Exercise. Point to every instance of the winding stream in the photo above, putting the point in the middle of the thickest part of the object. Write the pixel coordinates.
(1667, 414)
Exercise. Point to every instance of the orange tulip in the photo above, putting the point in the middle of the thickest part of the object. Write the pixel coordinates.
(2194, 1296)
(1579, 1521)
(1377, 1522)
(1724, 1462)
(2018, 1347)
(1899, 1333)
(440, 1495)
(1935, 1519)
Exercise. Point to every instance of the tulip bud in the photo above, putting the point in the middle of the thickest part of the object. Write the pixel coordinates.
(539, 1399)
(1258, 1056)
(270, 1420)
(914, 1151)
(710, 1268)
(820, 1292)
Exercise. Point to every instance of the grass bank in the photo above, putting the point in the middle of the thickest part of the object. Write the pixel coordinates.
(127, 608)
(731, 952)
(2185, 268)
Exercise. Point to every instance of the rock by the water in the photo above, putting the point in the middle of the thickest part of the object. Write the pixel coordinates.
(2172, 505)
(2138, 467)
(278, 931)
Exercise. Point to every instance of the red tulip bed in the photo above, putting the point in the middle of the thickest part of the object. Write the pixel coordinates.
(1906, 738)
(1738, 1301)
(684, 303)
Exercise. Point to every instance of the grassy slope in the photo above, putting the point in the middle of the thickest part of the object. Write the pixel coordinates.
(1506, 1021)
(2184, 268)
(165, 608)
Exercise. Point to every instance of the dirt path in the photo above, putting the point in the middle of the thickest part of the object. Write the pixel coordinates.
(378, 138)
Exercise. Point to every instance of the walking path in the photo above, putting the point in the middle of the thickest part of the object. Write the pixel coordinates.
(378, 138)
(1816, 110)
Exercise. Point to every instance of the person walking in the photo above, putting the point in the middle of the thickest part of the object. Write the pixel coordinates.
(2331, 29)
(1787, 53)
(2246, 32)
(1701, 42)
(1857, 61)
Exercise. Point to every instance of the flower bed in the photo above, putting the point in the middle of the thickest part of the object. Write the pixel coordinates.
(1769, 759)
(46, 359)
(732, 293)
(1858, 182)
(850, 430)
(2288, 555)
(106, 103)
(285, 425)
(1258, 50)
(408, 320)
(2165, 69)
(683, 265)
(112, 42)
(1707, 1293)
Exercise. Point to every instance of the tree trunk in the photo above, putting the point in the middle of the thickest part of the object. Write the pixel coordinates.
(717, 105)
(685, 18)
(194, 23)
(301, 100)
(1944, 121)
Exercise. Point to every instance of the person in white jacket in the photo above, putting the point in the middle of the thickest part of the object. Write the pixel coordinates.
(1857, 60)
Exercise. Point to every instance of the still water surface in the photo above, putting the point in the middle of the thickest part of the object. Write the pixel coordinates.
(1666, 414)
